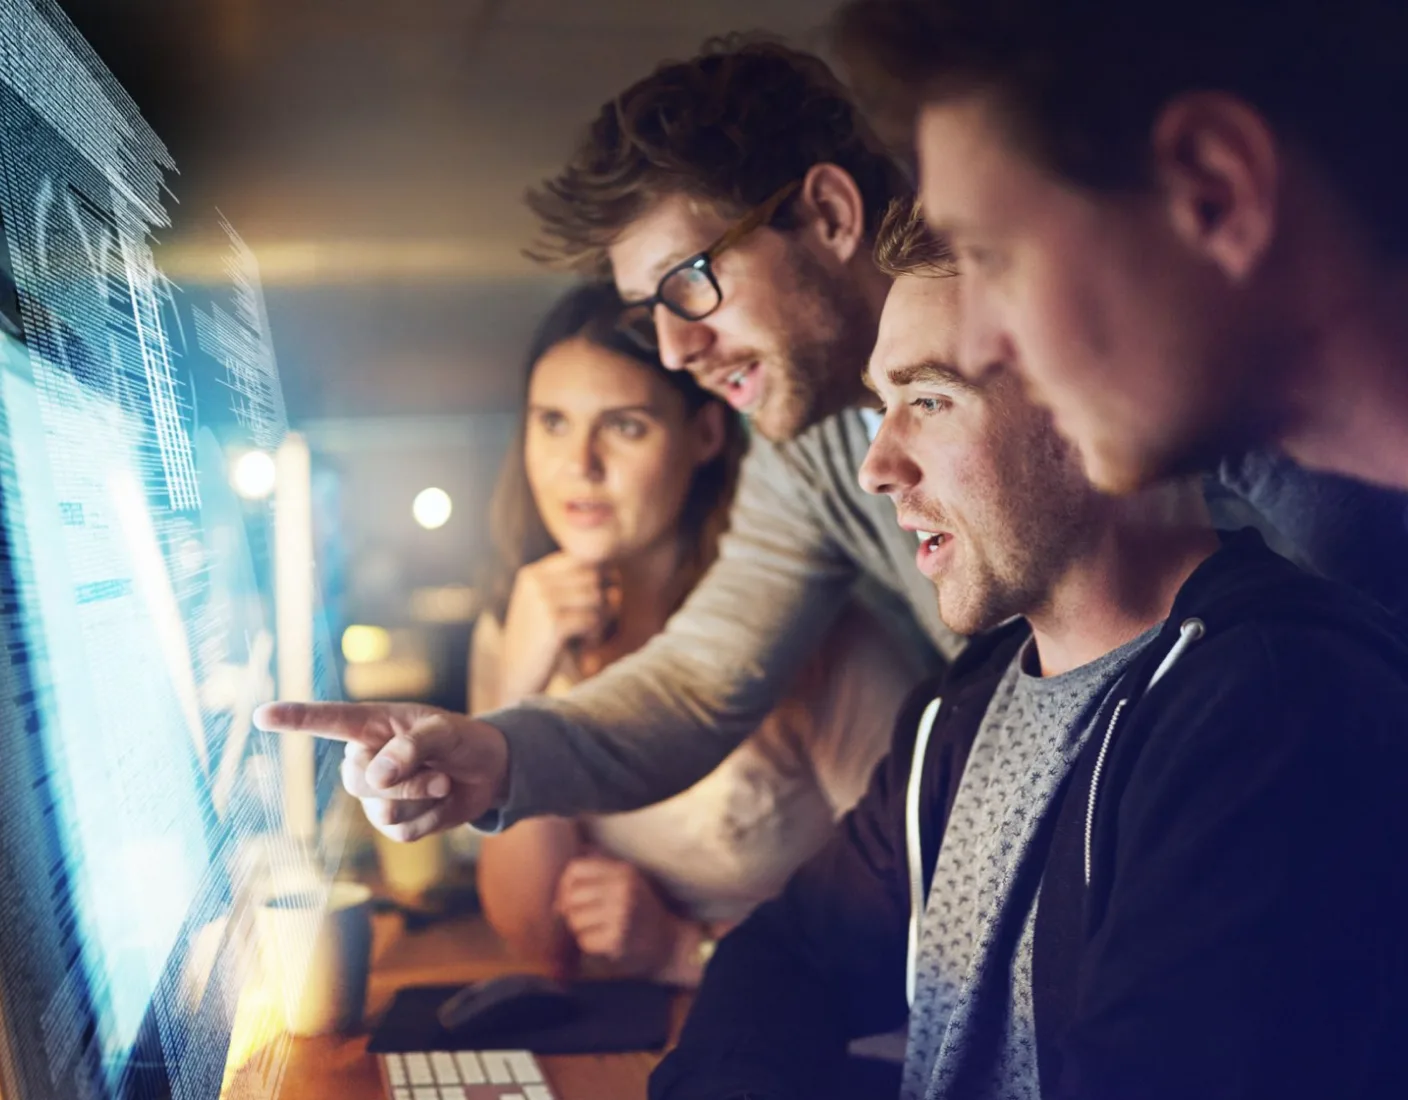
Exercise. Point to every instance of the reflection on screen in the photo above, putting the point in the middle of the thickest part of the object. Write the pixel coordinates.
(125, 731)
(142, 812)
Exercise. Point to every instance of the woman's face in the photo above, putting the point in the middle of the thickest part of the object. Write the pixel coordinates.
(610, 451)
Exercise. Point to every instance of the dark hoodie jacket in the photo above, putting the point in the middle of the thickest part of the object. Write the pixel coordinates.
(1224, 907)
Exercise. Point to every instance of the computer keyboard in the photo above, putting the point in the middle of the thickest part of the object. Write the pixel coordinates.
(464, 1075)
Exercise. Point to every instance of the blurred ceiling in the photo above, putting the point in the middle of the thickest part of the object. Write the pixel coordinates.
(374, 154)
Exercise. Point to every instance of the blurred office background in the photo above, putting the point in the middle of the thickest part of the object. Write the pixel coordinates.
(373, 153)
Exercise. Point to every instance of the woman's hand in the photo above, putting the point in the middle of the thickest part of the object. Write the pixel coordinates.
(616, 914)
(555, 601)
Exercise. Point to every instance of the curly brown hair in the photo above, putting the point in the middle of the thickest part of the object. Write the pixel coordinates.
(730, 126)
(905, 245)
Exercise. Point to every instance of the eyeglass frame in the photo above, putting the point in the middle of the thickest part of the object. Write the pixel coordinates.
(703, 261)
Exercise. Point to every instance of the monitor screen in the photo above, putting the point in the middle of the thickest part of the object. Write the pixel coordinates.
(137, 606)
(119, 708)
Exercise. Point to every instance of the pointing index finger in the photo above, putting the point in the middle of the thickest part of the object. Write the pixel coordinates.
(360, 723)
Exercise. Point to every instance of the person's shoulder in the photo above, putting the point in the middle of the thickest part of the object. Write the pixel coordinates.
(842, 433)
(1290, 614)
(1278, 615)
(833, 446)
(488, 631)
(1247, 592)
(1340, 656)
(1287, 684)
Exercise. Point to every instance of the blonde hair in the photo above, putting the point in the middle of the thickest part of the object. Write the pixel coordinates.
(905, 245)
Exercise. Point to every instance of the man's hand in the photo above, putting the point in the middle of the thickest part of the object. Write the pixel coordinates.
(615, 913)
(416, 769)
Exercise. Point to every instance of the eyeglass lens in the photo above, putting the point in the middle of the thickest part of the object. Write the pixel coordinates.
(688, 292)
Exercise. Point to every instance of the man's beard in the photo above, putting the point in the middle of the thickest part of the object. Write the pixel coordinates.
(1044, 517)
(817, 372)
(987, 600)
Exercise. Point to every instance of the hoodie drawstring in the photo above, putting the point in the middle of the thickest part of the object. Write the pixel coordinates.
(912, 840)
(1188, 633)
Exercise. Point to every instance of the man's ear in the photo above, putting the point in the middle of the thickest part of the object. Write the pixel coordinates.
(831, 206)
(709, 432)
(1217, 163)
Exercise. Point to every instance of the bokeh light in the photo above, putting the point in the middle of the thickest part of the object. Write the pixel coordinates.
(253, 475)
(431, 508)
(362, 644)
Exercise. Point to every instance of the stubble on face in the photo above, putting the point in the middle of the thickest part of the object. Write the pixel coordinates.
(824, 334)
(1027, 517)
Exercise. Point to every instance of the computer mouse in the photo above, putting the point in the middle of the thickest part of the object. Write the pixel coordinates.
(515, 1002)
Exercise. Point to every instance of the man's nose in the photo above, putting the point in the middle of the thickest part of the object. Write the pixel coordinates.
(681, 342)
(887, 468)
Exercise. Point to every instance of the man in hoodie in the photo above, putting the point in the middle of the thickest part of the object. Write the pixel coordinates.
(1189, 751)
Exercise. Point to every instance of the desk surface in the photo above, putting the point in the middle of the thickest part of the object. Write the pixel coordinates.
(453, 951)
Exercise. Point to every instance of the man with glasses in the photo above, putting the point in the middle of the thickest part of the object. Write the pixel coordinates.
(734, 198)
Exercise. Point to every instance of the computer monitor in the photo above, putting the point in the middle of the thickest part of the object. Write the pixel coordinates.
(140, 622)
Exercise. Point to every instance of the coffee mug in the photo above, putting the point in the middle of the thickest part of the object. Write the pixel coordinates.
(316, 954)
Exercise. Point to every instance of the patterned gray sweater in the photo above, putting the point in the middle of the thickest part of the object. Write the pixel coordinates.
(972, 1030)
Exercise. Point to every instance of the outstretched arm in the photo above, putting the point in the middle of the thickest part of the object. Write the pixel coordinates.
(659, 720)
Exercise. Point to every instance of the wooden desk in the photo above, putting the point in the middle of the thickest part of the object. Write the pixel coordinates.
(455, 951)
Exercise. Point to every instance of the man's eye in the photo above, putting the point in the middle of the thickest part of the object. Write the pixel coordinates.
(929, 404)
(552, 422)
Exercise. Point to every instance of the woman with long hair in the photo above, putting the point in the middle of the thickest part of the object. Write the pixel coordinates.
(608, 510)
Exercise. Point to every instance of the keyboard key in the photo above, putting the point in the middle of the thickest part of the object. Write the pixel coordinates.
(395, 1071)
(524, 1068)
(496, 1067)
(471, 1072)
(426, 1094)
(400, 1094)
(451, 1092)
(418, 1067)
(444, 1067)
(538, 1092)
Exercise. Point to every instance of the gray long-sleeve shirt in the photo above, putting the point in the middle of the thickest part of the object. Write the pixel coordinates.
(803, 534)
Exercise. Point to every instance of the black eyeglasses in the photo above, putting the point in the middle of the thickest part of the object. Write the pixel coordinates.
(690, 290)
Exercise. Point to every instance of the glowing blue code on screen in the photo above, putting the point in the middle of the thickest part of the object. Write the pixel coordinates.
(143, 812)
